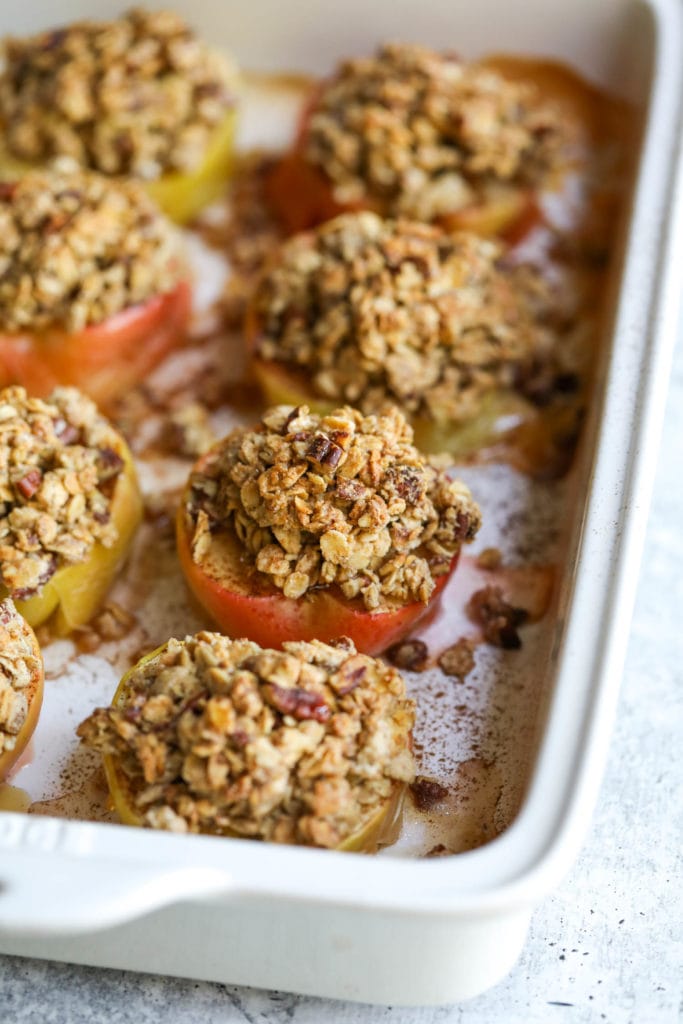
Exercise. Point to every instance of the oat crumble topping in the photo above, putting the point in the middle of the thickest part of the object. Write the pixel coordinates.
(377, 310)
(303, 745)
(140, 95)
(59, 463)
(422, 132)
(19, 666)
(342, 499)
(76, 248)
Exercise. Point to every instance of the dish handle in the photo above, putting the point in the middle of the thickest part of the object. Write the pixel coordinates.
(49, 885)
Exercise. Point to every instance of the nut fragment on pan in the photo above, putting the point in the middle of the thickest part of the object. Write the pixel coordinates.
(309, 745)
(140, 95)
(308, 524)
(367, 311)
(21, 685)
(69, 505)
(93, 289)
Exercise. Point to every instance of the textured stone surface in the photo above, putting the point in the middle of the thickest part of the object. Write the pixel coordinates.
(607, 947)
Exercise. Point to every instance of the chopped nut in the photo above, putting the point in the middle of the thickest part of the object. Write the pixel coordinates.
(108, 248)
(458, 660)
(368, 311)
(427, 793)
(376, 519)
(58, 465)
(498, 619)
(411, 655)
(140, 95)
(423, 134)
(219, 735)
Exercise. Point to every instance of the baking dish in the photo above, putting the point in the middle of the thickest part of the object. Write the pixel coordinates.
(394, 929)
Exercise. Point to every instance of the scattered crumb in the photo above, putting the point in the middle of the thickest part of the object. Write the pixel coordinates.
(458, 660)
(411, 655)
(427, 792)
(498, 619)
(188, 431)
(490, 559)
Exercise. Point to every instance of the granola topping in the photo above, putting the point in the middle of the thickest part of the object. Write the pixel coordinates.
(376, 310)
(77, 248)
(59, 462)
(19, 665)
(140, 95)
(303, 745)
(422, 132)
(342, 499)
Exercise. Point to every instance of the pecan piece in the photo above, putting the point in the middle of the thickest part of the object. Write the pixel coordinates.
(29, 484)
(300, 704)
(499, 619)
(325, 451)
(411, 655)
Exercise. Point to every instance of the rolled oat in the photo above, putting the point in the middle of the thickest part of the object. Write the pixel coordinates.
(422, 132)
(140, 95)
(304, 745)
(374, 311)
(342, 499)
(59, 462)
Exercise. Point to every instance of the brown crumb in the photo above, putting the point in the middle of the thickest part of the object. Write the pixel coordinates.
(188, 431)
(498, 619)
(458, 660)
(490, 559)
(411, 655)
(438, 851)
(427, 793)
(112, 623)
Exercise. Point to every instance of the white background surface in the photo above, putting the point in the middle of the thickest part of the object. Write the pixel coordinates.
(607, 947)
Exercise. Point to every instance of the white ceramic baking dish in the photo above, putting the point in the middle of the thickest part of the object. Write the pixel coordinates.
(396, 929)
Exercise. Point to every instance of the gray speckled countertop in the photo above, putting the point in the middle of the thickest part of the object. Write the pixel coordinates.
(608, 946)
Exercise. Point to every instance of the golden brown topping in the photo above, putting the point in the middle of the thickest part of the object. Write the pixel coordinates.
(140, 95)
(59, 462)
(19, 664)
(422, 132)
(376, 310)
(341, 500)
(303, 745)
(76, 248)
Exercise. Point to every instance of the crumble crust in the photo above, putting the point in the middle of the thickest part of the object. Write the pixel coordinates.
(422, 132)
(77, 248)
(303, 745)
(377, 311)
(59, 462)
(19, 666)
(342, 499)
(140, 95)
